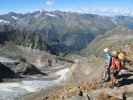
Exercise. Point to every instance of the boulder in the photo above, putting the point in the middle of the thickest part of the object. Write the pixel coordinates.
(25, 68)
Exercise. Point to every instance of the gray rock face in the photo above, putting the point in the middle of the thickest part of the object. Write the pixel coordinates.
(17, 69)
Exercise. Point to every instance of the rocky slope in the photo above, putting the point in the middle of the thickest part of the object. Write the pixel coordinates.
(86, 85)
(117, 38)
(86, 73)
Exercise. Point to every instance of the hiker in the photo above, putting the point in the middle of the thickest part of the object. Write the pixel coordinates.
(123, 60)
(115, 68)
(122, 56)
(108, 59)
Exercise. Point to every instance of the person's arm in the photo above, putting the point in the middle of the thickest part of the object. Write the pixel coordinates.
(110, 60)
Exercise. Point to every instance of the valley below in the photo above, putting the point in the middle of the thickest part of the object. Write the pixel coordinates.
(35, 74)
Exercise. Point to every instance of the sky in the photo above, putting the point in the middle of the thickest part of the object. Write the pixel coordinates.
(90, 6)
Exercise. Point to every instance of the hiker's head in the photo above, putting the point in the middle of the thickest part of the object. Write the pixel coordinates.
(106, 50)
(114, 53)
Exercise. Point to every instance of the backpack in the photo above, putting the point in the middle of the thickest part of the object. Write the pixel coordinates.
(122, 56)
(116, 64)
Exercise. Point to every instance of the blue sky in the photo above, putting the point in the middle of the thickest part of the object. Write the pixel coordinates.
(66, 5)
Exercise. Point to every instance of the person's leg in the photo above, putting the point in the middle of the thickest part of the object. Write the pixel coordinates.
(106, 75)
(115, 77)
(108, 72)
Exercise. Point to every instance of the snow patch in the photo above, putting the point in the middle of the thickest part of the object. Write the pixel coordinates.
(64, 75)
(30, 88)
(51, 15)
(14, 17)
(7, 60)
(4, 21)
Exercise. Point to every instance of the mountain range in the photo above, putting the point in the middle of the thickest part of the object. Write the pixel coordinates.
(58, 32)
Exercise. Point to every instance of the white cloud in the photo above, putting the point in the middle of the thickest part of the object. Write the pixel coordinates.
(50, 2)
(107, 11)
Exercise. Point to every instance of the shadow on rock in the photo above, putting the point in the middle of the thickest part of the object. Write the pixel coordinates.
(6, 72)
(125, 80)
(125, 76)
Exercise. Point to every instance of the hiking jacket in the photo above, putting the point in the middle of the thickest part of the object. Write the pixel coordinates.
(116, 64)
(108, 59)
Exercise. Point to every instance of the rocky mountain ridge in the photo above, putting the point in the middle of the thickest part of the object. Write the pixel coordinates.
(57, 32)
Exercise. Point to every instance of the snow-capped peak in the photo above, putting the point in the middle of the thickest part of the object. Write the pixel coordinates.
(51, 15)
(14, 17)
(4, 21)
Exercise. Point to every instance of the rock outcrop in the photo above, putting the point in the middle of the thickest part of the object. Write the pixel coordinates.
(27, 69)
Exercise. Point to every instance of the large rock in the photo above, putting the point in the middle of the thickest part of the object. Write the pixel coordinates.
(23, 67)
(27, 69)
